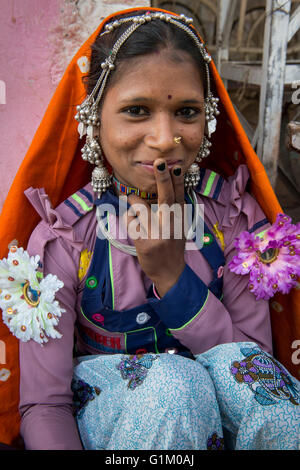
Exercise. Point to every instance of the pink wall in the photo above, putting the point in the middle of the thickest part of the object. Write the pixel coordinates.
(25, 61)
(38, 38)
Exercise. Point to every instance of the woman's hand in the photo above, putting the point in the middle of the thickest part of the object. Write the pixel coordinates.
(159, 234)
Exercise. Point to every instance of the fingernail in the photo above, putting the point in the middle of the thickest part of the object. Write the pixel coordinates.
(177, 171)
(161, 166)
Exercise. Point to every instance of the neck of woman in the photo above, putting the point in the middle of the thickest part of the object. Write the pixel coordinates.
(124, 189)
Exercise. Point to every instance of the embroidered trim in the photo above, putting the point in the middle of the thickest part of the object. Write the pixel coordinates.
(111, 271)
(135, 368)
(101, 342)
(218, 188)
(82, 203)
(266, 378)
(124, 189)
(187, 323)
(142, 329)
(209, 183)
(259, 224)
(75, 198)
(214, 442)
(88, 195)
(84, 262)
(155, 292)
(82, 394)
(219, 234)
(210, 177)
(73, 208)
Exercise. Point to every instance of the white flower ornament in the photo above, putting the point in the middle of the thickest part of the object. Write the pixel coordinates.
(29, 308)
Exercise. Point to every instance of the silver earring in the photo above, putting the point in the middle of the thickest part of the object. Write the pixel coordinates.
(211, 111)
(192, 176)
(91, 152)
(204, 150)
(101, 179)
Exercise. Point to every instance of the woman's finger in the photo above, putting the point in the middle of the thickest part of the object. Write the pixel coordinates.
(165, 190)
(178, 184)
(137, 218)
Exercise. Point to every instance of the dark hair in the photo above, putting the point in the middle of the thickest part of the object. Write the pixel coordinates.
(149, 38)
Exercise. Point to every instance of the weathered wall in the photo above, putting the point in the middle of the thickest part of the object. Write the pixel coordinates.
(38, 39)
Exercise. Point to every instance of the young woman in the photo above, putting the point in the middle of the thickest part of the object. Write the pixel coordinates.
(153, 342)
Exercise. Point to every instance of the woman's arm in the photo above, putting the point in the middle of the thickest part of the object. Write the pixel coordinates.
(47, 421)
(188, 308)
(200, 321)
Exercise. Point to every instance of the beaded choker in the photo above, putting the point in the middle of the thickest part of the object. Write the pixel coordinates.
(124, 189)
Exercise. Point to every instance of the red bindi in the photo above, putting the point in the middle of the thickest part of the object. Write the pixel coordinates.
(169, 97)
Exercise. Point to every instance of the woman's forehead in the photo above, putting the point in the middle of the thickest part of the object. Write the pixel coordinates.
(158, 73)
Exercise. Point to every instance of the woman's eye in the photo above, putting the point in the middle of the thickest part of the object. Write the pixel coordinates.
(136, 111)
(188, 112)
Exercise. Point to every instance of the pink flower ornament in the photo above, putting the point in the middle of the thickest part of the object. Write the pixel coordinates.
(271, 259)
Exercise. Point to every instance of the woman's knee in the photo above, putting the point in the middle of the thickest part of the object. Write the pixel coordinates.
(177, 380)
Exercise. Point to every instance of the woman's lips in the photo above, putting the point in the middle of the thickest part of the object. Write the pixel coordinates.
(149, 165)
(146, 166)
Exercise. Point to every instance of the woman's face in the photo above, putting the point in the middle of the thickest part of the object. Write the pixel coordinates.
(154, 100)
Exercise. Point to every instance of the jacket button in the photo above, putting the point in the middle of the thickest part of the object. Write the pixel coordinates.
(141, 351)
(171, 350)
(142, 318)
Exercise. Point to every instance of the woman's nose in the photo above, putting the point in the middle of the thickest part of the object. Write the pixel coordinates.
(161, 134)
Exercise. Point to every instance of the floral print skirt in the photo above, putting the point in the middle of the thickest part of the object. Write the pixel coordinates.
(234, 396)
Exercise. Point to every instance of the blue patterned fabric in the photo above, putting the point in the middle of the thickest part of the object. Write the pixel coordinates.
(257, 397)
(233, 396)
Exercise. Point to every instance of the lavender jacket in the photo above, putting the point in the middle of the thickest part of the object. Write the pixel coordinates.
(64, 233)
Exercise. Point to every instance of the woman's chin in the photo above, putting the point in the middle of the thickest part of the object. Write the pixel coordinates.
(145, 181)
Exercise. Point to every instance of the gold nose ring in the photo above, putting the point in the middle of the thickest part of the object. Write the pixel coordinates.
(177, 140)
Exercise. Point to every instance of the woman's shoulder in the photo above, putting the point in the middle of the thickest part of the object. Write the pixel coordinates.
(69, 212)
(228, 202)
(221, 190)
(70, 223)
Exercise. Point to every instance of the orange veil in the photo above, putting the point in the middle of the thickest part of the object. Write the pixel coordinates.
(54, 162)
